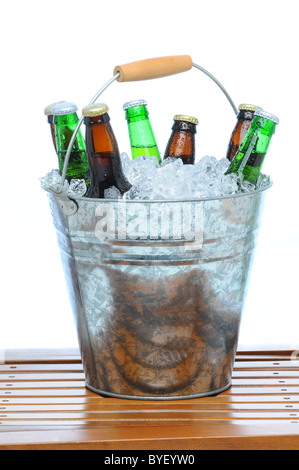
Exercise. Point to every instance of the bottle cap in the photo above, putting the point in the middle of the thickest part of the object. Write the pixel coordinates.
(96, 109)
(249, 107)
(48, 109)
(130, 104)
(183, 117)
(265, 114)
(63, 108)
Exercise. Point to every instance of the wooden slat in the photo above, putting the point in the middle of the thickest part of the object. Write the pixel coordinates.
(41, 356)
(61, 376)
(39, 377)
(44, 405)
(40, 367)
(56, 384)
(281, 396)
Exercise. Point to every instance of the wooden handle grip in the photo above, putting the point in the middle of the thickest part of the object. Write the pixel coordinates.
(153, 68)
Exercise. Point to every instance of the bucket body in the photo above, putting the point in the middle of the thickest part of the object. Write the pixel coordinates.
(157, 290)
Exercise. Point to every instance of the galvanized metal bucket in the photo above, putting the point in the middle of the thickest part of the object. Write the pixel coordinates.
(157, 289)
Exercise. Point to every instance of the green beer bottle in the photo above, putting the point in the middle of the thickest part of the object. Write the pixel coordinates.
(244, 120)
(65, 121)
(250, 157)
(141, 134)
(48, 112)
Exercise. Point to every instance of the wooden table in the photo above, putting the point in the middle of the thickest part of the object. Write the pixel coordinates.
(45, 405)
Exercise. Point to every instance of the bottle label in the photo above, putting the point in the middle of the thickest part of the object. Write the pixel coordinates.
(145, 151)
(256, 159)
(249, 151)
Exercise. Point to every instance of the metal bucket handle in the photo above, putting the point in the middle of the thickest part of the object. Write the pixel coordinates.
(134, 71)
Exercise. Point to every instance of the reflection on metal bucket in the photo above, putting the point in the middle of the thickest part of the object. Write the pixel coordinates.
(157, 305)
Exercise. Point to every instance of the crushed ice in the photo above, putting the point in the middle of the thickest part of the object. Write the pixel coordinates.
(174, 180)
(170, 180)
(76, 187)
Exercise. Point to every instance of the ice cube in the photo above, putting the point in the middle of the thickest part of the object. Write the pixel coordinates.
(245, 186)
(206, 164)
(51, 179)
(229, 184)
(77, 188)
(263, 181)
(176, 162)
(124, 157)
(140, 168)
(112, 193)
(221, 166)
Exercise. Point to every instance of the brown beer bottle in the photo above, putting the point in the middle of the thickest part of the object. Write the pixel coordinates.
(48, 112)
(181, 143)
(244, 119)
(102, 152)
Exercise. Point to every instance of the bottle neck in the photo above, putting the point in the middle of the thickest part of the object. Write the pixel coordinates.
(66, 120)
(245, 114)
(265, 125)
(100, 139)
(96, 120)
(184, 126)
(64, 129)
(142, 138)
(182, 142)
(136, 113)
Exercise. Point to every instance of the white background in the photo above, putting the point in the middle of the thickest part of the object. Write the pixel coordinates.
(66, 50)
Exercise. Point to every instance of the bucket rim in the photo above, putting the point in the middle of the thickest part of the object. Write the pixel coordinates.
(155, 201)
